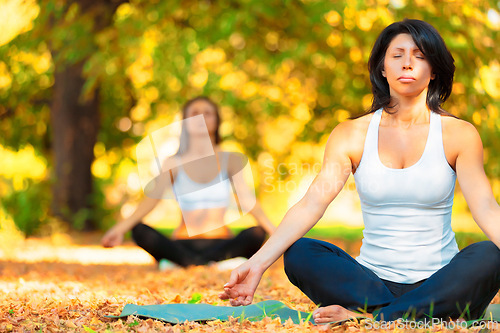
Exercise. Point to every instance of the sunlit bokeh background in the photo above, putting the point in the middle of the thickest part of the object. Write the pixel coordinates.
(284, 74)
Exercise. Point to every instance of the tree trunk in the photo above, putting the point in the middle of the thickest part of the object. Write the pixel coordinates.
(75, 125)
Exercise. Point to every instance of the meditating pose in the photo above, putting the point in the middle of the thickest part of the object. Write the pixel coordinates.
(405, 154)
(203, 191)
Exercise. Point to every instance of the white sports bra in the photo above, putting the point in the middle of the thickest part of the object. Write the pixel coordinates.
(192, 195)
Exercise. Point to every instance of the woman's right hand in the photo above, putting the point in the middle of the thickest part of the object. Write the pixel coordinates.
(242, 284)
(113, 237)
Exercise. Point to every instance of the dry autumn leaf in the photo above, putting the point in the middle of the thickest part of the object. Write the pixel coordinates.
(54, 294)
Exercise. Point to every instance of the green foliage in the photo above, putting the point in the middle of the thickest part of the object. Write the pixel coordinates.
(88, 329)
(352, 236)
(314, 53)
(466, 238)
(29, 206)
(134, 323)
(195, 298)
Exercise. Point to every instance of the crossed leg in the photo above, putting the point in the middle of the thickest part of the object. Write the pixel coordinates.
(332, 278)
(187, 252)
(461, 289)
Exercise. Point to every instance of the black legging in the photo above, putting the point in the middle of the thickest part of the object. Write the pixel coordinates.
(328, 275)
(187, 252)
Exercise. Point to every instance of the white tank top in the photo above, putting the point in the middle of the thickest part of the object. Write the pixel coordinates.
(192, 195)
(406, 212)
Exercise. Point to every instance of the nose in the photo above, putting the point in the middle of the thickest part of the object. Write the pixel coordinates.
(407, 63)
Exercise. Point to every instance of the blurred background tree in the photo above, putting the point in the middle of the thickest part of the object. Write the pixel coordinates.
(81, 82)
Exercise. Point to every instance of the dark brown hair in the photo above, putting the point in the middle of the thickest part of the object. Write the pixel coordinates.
(432, 45)
(184, 140)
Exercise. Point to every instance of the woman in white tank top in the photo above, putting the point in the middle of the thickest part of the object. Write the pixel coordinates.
(202, 184)
(405, 154)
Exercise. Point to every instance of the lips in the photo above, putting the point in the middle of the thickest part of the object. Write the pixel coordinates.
(406, 78)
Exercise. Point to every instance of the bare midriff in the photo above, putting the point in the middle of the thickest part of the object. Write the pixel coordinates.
(203, 223)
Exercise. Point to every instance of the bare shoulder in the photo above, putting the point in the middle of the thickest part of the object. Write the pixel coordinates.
(459, 134)
(235, 161)
(170, 165)
(453, 124)
(349, 136)
(351, 129)
(233, 157)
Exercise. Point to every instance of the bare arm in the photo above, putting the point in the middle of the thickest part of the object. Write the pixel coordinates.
(114, 236)
(298, 220)
(307, 212)
(475, 185)
(144, 208)
(246, 196)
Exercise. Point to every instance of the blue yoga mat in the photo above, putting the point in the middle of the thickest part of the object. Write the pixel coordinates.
(179, 313)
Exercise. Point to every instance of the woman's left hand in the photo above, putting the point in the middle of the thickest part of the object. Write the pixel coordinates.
(242, 284)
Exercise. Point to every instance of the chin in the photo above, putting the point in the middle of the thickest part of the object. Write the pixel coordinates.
(411, 92)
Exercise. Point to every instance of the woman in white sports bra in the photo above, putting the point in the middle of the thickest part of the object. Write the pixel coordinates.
(203, 191)
(405, 154)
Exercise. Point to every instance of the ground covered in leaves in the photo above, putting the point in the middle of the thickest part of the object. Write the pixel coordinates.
(49, 285)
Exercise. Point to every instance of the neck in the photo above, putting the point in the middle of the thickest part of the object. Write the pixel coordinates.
(410, 110)
(198, 144)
